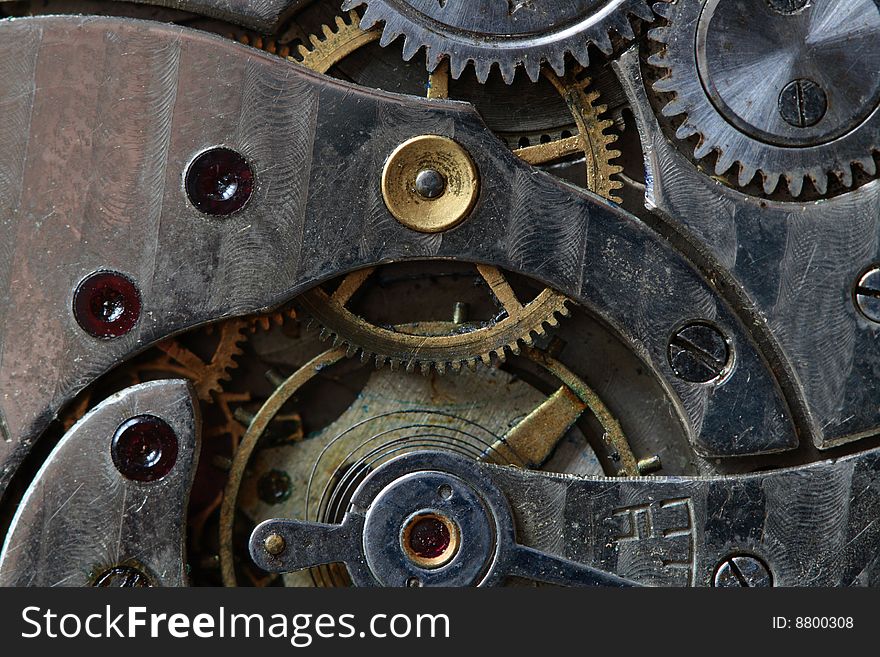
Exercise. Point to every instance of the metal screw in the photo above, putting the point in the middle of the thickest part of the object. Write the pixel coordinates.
(274, 487)
(742, 571)
(460, 312)
(698, 352)
(430, 183)
(243, 415)
(802, 103)
(122, 577)
(868, 294)
(275, 378)
(649, 465)
(787, 6)
(274, 544)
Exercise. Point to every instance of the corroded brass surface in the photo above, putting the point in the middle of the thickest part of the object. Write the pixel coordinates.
(423, 153)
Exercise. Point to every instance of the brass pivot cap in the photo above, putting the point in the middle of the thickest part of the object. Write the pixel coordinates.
(430, 184)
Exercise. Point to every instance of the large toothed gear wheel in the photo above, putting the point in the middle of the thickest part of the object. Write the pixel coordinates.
(506, 33)
(437, 346)
(768, 86)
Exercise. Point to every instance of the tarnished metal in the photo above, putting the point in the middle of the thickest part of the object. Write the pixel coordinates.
(439, 346)
(507, 35)
(418, 209)
(297, 229)
(82, 522)
(156, 179)
(794, 266)
(789, 109)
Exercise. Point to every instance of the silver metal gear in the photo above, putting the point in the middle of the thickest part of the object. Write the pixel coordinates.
(506, 33)
(771, 86)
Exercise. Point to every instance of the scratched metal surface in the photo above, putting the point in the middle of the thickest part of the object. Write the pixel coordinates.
(263, 15)
(81, 515)
(796, 262)
(102, 118)
(814, 526)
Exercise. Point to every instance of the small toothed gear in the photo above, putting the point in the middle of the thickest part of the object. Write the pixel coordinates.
(767, 87)
(438, 346)
(595, 139)
(504, 33)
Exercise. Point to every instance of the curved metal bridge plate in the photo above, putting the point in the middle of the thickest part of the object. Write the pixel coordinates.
(102, 118)
(813, 526)
(797, 262)
(80, 516)
(262, 15)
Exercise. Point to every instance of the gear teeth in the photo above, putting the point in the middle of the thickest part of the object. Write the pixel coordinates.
(603, 43)
(532, 66)
(688, 101)
(483, 69)
(845, 176)
(685, 131)
(659, 34)
(508, 71)
(581, 54)
(771, 182)
(819, 180)
(702, 149)
(388, 37)
(557, 63)
(746, 174)
(675, 108)
(399, 20)
(622, 26)
(457, 66)
(432, 59)
(665, 84)
(662, 9)
(795, 183)
(371, 16)
(410, 48)
(868, 165)
(724, 163)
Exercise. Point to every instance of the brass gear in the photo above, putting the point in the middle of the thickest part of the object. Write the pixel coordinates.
(443, 346)
(435, 345)
(593, 138)
(526, 444)
(334, 43)
(321, 51)
(207, 376)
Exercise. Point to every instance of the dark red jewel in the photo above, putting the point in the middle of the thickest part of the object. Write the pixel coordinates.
(219, 182)
(429, 537)
(107, 304)
(144, 448)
